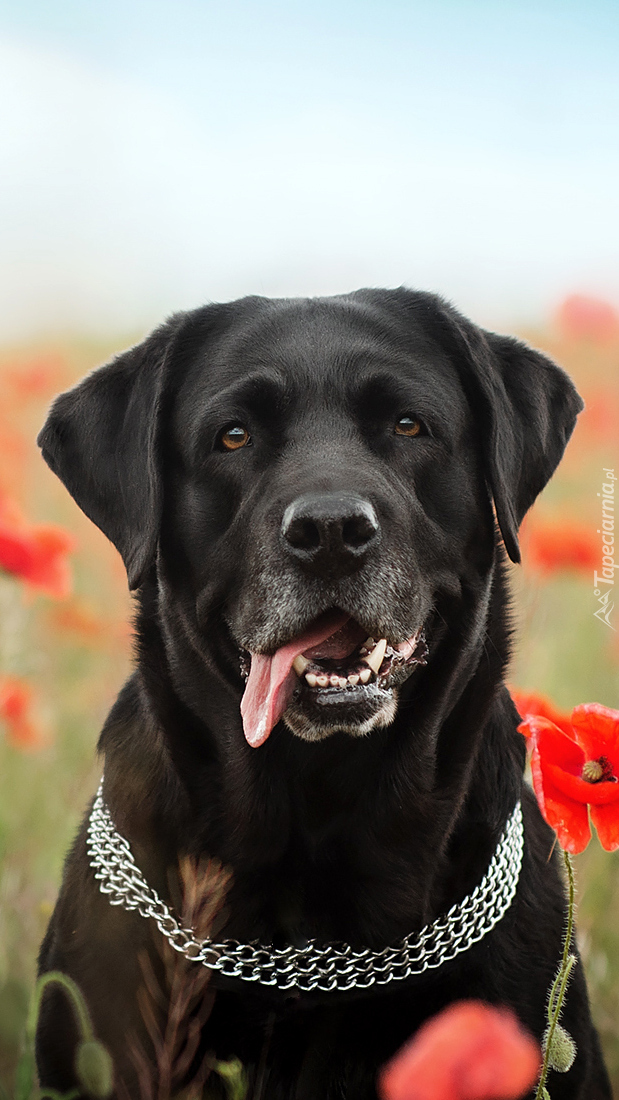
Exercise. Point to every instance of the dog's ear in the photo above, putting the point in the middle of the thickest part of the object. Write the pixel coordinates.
(529, 409)
(101, 439)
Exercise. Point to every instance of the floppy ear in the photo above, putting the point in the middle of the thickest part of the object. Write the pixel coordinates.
(528, 412)
(100, 438)
(533, 410)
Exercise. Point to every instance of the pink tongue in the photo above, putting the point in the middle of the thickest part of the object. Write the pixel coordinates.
(272, 680)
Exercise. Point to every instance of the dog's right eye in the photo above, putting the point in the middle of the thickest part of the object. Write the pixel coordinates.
(406, 425)
(233, 438)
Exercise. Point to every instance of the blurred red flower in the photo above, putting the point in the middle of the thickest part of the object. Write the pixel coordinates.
(76, 617)
(531, 704)
(561, 545)
(574, 771)
(37, 553)
(470, 1051)
(16, 712)
(583, 318)
(38, 377)
(600, 417)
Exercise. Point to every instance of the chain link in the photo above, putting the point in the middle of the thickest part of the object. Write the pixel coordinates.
(327, 967)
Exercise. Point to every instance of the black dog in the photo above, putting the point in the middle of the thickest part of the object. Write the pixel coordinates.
(309, 488)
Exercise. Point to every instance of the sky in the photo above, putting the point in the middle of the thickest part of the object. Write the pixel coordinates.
(158, 154)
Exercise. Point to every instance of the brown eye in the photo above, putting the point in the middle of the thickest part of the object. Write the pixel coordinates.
(407, 426)
(234, 437)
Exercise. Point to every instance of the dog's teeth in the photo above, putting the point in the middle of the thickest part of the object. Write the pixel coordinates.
(334, 681)
(353, 678)
(322, 681)
(311, 679)
(299, 664)
(364, 675)
(342, 681)
(376, 657)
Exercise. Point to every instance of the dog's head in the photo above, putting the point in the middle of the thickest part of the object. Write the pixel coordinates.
(312, 482)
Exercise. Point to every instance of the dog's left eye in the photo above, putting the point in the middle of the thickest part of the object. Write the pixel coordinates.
(234, 437)
(406, 425)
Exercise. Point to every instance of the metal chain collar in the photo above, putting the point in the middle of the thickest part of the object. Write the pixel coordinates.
(326, 967)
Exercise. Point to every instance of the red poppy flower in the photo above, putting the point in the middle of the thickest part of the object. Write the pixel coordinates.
(16, 712)
(600, 417)
(530, 704)
(576, 770)
(39, 377)
(561, 545)
(35, 553)
(77, 618)
(471, 1051)
(583, 318)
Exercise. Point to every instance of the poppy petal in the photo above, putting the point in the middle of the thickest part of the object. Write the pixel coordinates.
(606, 821)
(530, 704)
(596, 728)
(553, 744)
(470, 1051)
(602, 793)
(569, 818)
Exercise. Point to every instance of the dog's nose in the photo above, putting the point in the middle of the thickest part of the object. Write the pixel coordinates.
(330, 533)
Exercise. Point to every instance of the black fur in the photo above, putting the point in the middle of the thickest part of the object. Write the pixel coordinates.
(362, 839)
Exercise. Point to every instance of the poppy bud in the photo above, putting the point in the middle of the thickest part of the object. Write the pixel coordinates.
(562, 1049)
(234, 1078)
(94, 1068)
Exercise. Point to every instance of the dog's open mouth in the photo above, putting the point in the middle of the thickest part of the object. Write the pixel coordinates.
(333, 662)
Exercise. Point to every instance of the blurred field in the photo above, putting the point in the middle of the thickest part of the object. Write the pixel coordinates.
(75, 652)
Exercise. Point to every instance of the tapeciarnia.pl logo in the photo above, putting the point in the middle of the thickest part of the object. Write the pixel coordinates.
(603, 582)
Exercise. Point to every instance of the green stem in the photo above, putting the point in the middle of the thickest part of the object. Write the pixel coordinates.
(571, 963)
(559, 986)
(82, 1014)
(570, 909)
(552, 996)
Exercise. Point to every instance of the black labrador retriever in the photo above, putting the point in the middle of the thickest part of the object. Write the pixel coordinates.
(313, 499)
